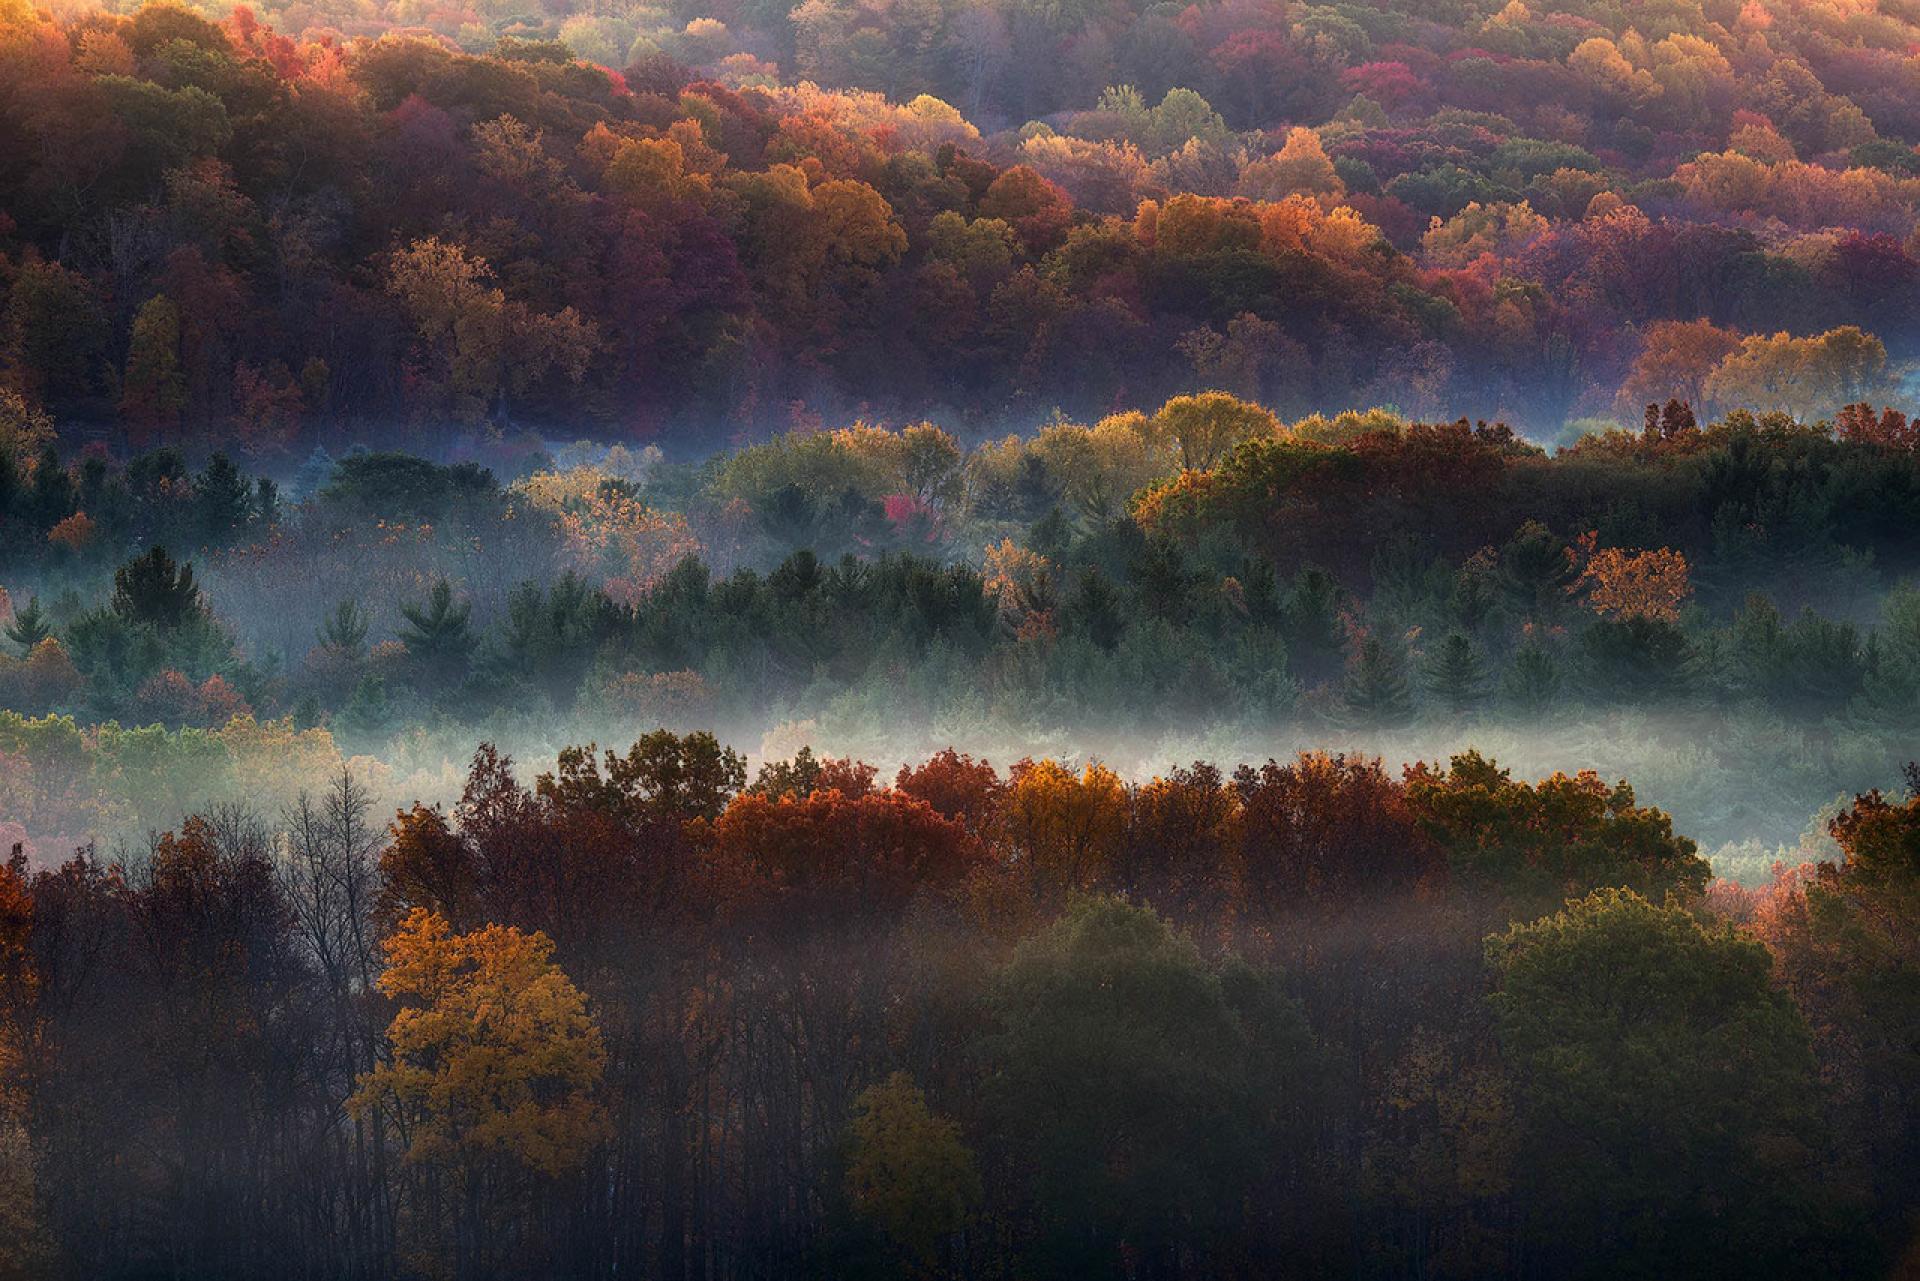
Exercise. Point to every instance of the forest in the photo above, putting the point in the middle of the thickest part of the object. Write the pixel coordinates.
(931, 639)
(438, 228)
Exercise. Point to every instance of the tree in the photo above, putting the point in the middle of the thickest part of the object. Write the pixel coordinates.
(1065, 828)
(25, 430)
(1846, 936)
(664, 777)
(1375, 693)
(437, 634)
(1300, 167)
(967, 791)
(1625, 585)
(344, 631)
(1035, 208)
(1328, 830)
(1534, 844)
(480, 347)
(1206, 427)
(829, 858)
(1676, 358)
(908, 1172)
(152, 589)
(1532, 681)
(29, 626)
(24, 1247)
(1666, 1093)
(1804, 377)
(224, 502)
(154, 391)
(1127, 1085)
(494, 1062)
(1455, 674)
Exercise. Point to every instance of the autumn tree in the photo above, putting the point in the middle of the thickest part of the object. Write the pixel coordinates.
(154, 392)
(1064, 827)
(1324, 829)
(1621, 584)
(1802, 376)
(1676, 359)
(25, 429)
(495, 1062)
(1846, 938)
(1300, 167)
(1535, 844)
(1206, 427)
(908, 1173)
(24, 1248)
(480, 347)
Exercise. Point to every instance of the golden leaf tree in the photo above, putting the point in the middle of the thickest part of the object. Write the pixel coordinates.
(1626, 584)
(494, 1062)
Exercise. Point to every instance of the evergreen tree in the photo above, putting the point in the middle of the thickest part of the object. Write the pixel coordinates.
(345, 629)
(10, 487)
(1310, 625)
(153, 589)
(368, 710)
(222, 502)
(1096, 609)
(1533, 680)
(1536, 571)
(1376, 689)
(437, 633)
(1455, 676)
(29, 627)
(51, 499)
(313, 474)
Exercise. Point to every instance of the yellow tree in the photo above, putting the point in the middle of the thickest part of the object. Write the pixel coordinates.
(1299, 168)
(479, 345)
(494, 1063)
(1065, 828)
(25, 429)
(1207, 427)
(1676, 358)
(154, 392)
(1803, 376)
(908, 1171)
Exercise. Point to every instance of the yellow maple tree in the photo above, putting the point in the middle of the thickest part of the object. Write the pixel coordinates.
(495, 1056)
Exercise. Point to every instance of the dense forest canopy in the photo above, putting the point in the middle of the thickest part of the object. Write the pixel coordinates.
(931, 639)
(407, 224)
(1725, 612)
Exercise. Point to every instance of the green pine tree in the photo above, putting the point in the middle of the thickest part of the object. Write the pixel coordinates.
(437, 634)
(152, 589)
(30, 626)
(1455, 675)
(1533, 680)
(345, 629)
(1376, 693)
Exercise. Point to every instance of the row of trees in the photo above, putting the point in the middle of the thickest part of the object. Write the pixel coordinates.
(644, 1015)
(1204, 570)
(212, 232)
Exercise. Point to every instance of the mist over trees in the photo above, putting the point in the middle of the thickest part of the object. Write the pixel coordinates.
(959, 639)
(644, 1014)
